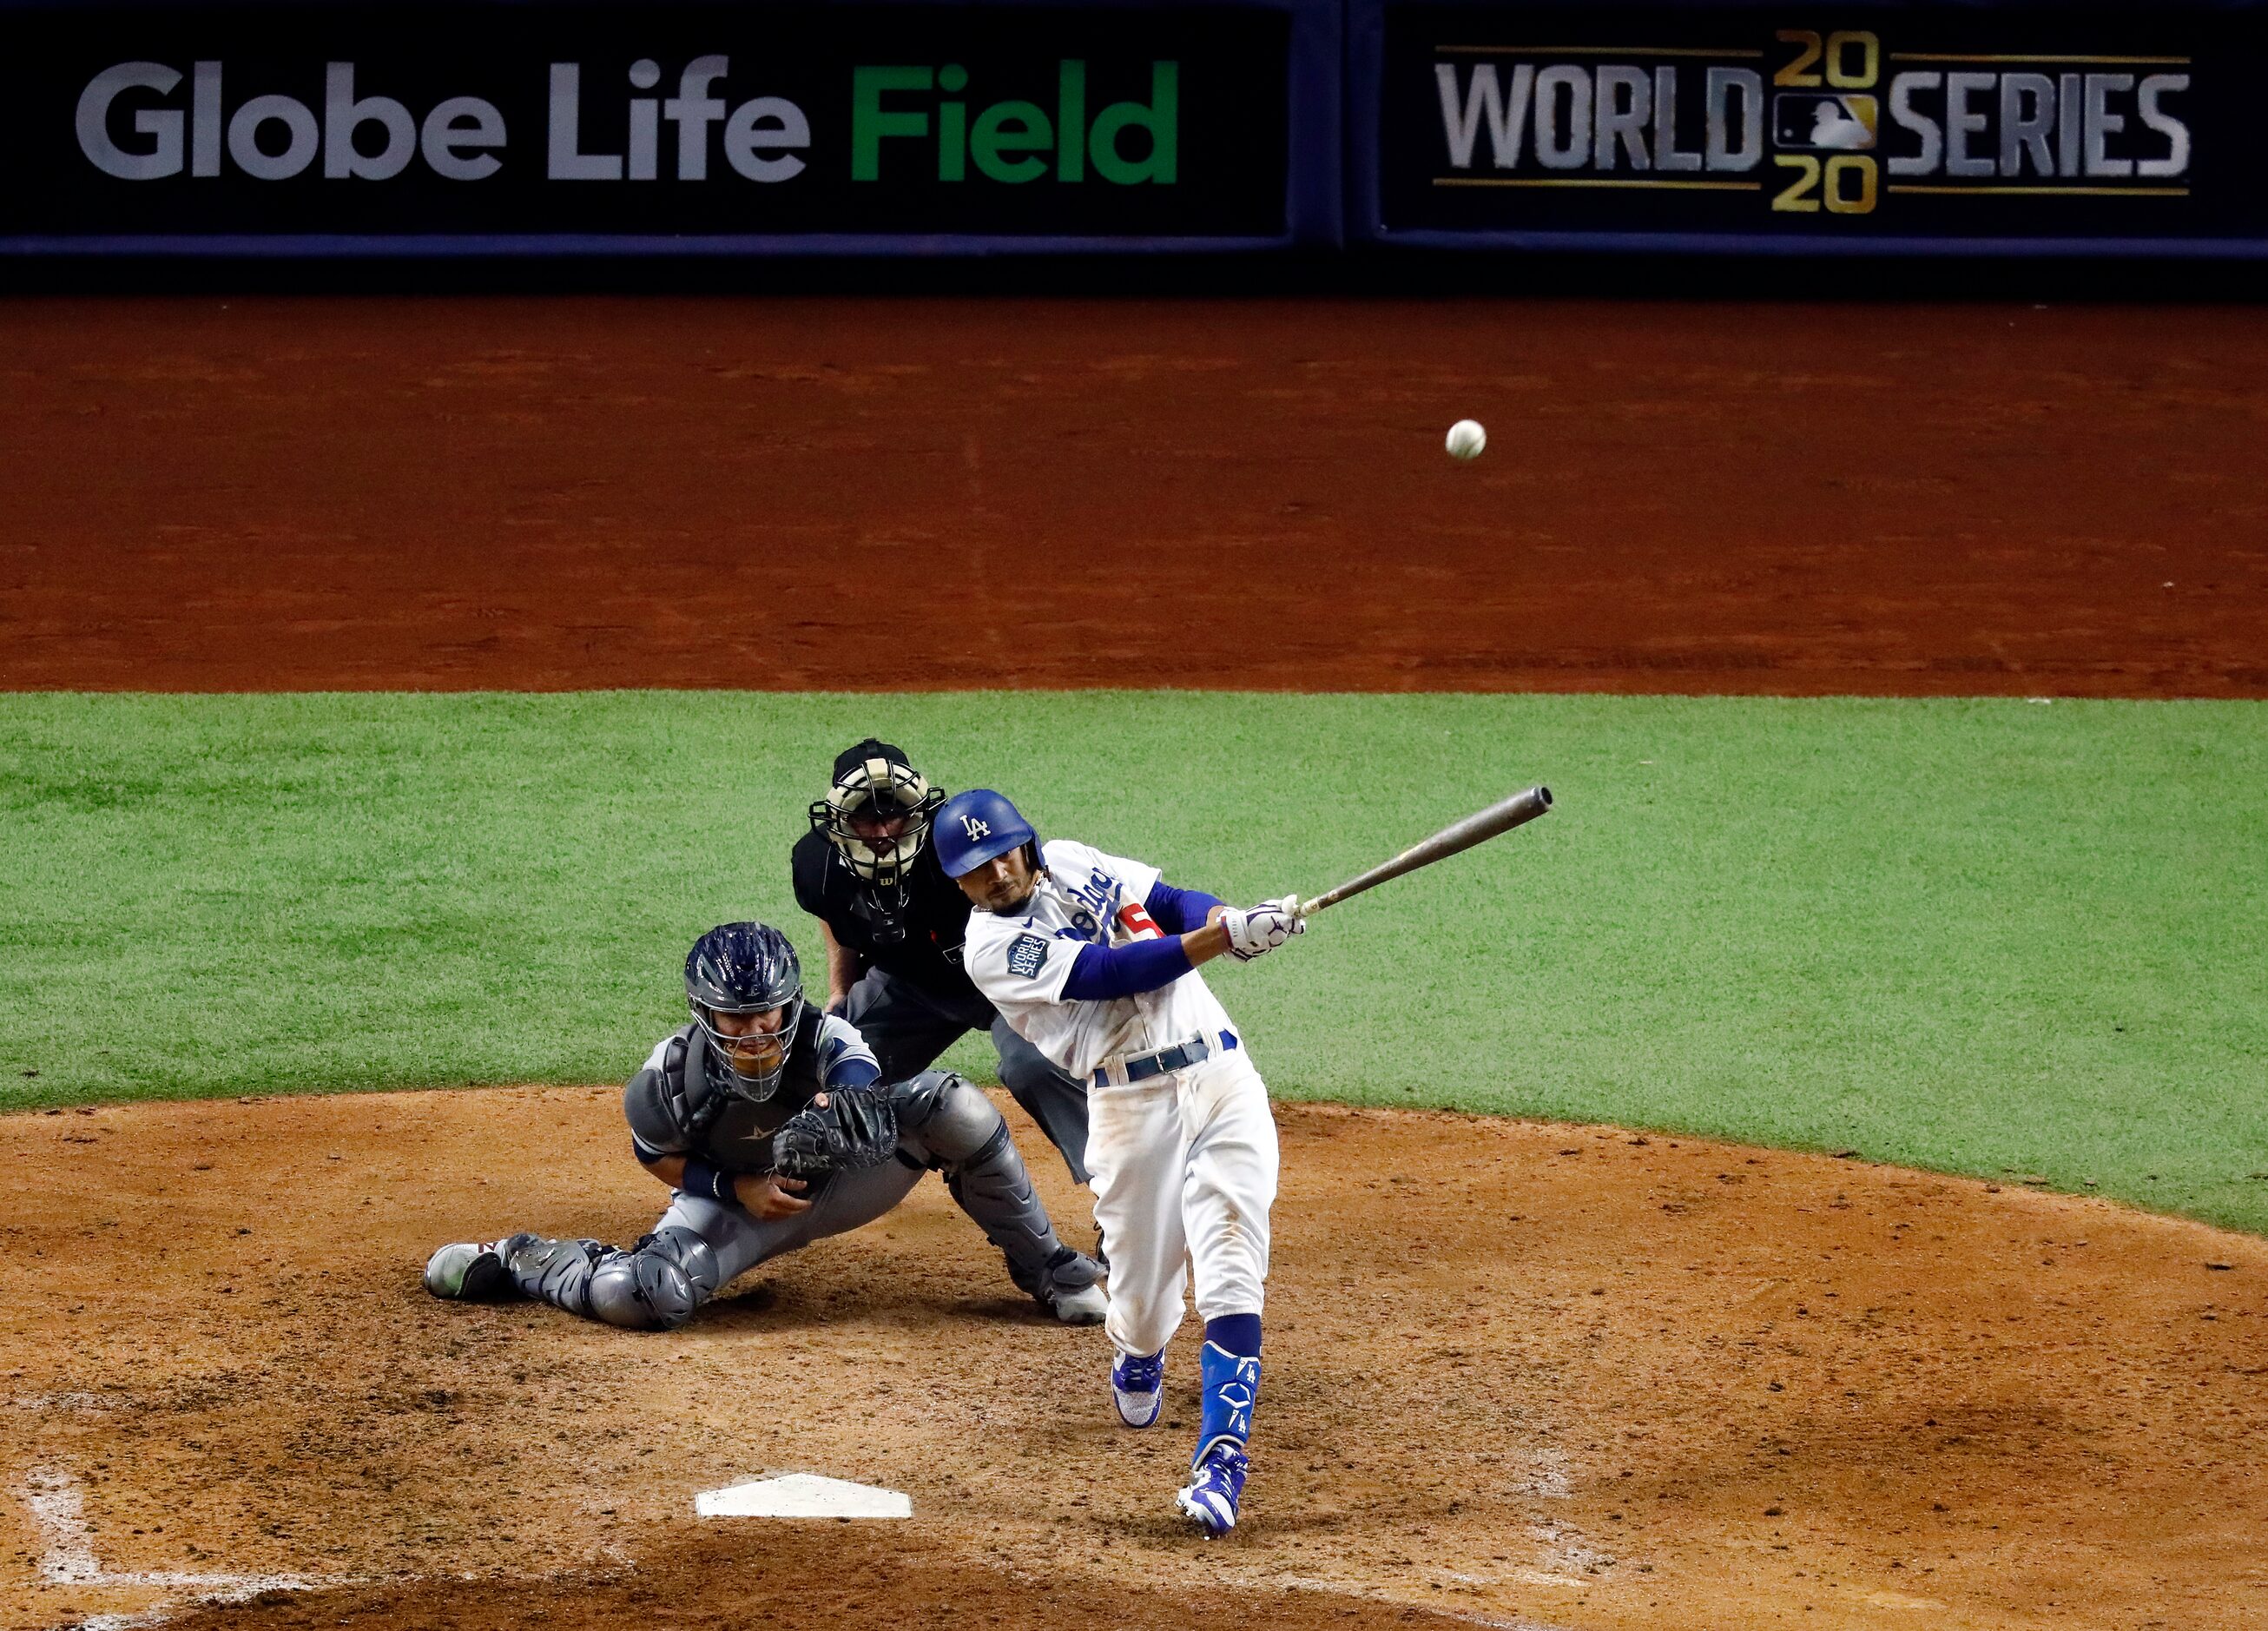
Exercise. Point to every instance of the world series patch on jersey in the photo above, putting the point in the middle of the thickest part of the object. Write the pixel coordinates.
(1084, 897)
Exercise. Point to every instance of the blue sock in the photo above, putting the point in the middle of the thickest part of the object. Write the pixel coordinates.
(1230, 1384)
(1235, 1333)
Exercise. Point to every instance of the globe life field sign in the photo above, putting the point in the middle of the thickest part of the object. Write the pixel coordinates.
(575, 126)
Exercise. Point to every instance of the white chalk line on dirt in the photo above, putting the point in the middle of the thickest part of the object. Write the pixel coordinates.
(71, 1404)
(1567, 1560)
(1548, 1479)
(67, 1559)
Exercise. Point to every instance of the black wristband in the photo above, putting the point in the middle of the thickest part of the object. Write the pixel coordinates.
(709, 1182)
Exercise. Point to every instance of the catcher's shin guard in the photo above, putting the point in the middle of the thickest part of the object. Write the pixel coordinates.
(957, 1128)
(557, 1272)
(655, 1287)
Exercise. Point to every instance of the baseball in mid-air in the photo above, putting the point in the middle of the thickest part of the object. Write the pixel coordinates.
(1467, 438)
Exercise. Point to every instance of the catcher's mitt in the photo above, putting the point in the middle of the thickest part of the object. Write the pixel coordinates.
(856, 1127)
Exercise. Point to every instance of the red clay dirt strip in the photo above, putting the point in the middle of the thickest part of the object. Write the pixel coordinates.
(1518, 1374)
(289, 494)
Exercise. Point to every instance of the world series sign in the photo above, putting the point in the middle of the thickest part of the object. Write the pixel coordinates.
(1735, 125)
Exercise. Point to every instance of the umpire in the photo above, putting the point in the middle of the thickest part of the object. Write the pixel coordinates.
(893, 924)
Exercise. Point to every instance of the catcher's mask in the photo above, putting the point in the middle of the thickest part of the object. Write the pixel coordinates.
(878, 812)
(745, 987)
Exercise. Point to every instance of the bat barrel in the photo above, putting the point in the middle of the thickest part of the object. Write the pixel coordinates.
(1500, 817)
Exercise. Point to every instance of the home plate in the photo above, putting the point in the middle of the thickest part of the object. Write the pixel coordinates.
(801, 1494)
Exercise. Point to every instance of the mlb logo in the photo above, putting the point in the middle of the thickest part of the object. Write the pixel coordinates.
(1829, 123)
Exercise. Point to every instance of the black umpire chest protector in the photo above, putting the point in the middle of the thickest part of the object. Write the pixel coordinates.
(914, 928)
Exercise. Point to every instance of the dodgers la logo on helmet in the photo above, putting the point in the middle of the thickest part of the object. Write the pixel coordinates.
(977, 826)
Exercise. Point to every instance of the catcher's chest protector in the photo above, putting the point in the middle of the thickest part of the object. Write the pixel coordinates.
(723, 1129)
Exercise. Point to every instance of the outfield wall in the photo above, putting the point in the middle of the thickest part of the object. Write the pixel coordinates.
(923, 127)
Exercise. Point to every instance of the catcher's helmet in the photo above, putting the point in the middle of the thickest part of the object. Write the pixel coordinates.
(977, 826)
(746, 969)
(874, 786)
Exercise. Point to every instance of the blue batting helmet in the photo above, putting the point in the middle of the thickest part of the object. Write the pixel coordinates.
(977, 826)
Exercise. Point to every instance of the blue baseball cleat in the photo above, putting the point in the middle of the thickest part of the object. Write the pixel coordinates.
(1215, 1483)
(1137, 1387)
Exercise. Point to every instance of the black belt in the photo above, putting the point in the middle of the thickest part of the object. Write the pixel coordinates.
(1181, 1056)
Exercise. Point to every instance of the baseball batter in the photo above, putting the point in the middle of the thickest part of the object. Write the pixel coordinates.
(771, 1123)
(1093, 958)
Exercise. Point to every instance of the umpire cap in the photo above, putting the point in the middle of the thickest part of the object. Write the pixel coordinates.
(852, 757)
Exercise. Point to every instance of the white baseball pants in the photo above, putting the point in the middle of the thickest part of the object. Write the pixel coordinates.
(1184, 1170)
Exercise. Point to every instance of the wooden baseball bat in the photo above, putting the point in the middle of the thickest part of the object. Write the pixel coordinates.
(1515, 811)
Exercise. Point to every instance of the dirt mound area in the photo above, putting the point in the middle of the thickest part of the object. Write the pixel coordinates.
(1685, 496)
(1517, 1374)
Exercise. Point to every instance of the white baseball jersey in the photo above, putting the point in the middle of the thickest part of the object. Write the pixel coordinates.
(1084, 897)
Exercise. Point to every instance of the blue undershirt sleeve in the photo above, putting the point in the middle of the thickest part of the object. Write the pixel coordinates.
(1099, 973)
(1177, 911)
(854, 1073)
(709, 1182)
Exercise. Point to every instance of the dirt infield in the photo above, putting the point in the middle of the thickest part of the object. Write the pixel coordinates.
(268, 493)
(1518, 1373)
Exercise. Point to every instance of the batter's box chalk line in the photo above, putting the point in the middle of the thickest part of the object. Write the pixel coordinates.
(801, 1494)
(67, 1559)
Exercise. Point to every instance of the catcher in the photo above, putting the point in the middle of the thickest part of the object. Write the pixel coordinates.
(770, 1122)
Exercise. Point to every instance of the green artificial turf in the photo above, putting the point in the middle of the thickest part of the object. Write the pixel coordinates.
(1988, 937)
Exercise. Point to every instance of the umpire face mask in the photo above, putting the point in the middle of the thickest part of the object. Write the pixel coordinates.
(752, 1045)
(877, 814)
